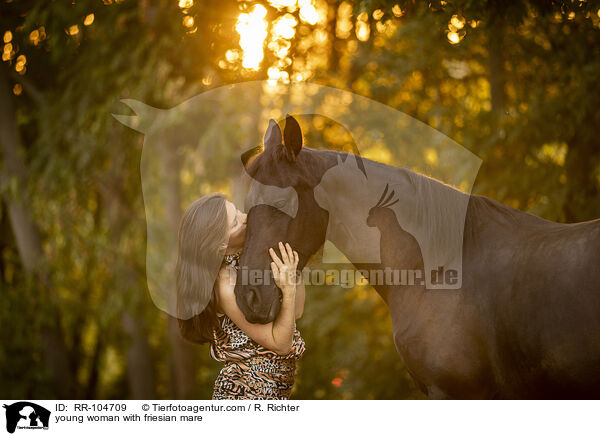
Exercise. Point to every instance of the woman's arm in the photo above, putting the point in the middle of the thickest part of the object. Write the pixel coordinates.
(300, 297)
(278, 335)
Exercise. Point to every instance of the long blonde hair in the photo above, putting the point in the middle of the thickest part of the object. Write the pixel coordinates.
(203, 233)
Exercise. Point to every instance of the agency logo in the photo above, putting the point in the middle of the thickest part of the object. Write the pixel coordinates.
(26, 415)
(206, 143)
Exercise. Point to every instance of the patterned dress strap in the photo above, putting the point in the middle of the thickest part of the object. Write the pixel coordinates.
(233, 260)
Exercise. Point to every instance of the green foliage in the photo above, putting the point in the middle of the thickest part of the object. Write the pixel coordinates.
(519, 88)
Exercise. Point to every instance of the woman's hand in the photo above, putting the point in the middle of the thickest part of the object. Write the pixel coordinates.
(284, 269)
(278, 335)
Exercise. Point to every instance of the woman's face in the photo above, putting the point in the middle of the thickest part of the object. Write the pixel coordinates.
(237, 226)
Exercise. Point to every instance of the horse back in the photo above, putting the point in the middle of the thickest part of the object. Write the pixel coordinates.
(546, 313)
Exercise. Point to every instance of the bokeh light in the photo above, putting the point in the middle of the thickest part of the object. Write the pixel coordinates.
(308, 13)
(184, 4)
(73, 30)
(285, 26)
(252, 29)
(89, 19)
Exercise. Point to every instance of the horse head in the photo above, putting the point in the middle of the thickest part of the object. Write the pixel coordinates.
(281, 207)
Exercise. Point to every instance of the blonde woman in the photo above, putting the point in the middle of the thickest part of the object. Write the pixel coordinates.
(259, 359)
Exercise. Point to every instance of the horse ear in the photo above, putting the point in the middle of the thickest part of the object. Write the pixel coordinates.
(292, 137)
(272, 135)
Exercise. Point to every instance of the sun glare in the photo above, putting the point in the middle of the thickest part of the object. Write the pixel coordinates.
(252, 29)
(453, 37)
(363, 29)
(284, 27)
(280, 4)
(184, 4)
(308, 13)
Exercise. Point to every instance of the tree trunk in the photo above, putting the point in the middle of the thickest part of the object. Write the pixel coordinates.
(29, 244)
(92, 382)
(140, 370)
(334, 52)
(181, 362)
(139, 363)
(496, 59)
(582, 184)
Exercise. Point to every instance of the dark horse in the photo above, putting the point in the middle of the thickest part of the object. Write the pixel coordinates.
(525, 322)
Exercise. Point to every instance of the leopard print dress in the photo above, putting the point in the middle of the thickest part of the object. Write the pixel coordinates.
(250, 370)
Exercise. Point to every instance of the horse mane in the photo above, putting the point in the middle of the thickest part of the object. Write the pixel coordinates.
(434, 213)
(438, 220)
(435, 199)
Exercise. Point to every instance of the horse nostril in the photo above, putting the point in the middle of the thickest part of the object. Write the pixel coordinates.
(252, 299)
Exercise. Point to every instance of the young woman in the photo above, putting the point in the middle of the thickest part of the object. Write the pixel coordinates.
(259, 359)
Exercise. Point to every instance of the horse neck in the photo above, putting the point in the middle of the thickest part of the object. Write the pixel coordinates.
(430, 211)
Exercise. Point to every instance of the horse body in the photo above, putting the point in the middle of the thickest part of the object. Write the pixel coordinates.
(535, 286)
(524, 324)
(525, 320)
